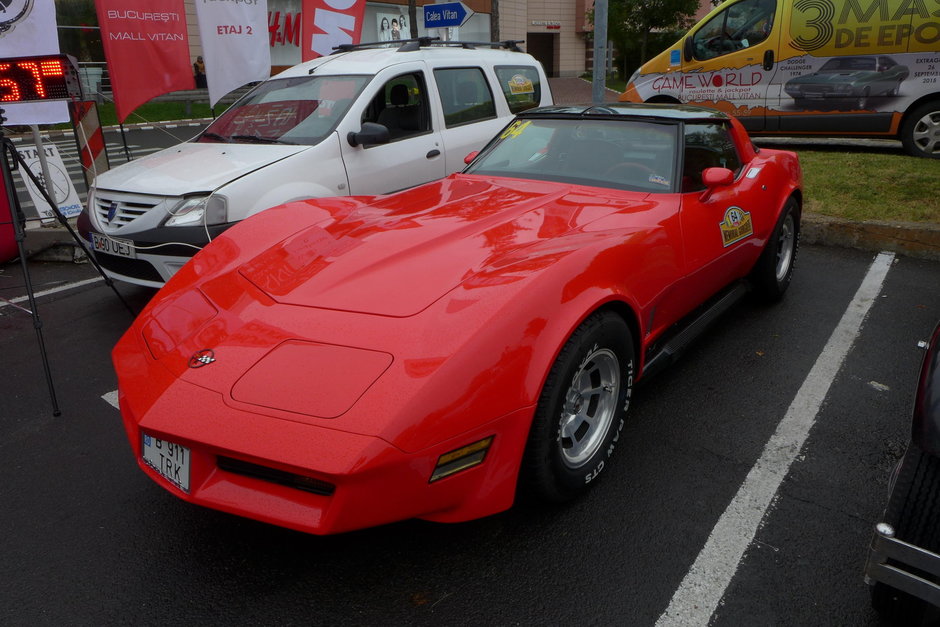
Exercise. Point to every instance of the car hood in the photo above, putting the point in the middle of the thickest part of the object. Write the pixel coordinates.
(400, 253)
(192, 167)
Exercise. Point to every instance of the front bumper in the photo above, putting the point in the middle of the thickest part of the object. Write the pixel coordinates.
(372, 482)
(159, 252)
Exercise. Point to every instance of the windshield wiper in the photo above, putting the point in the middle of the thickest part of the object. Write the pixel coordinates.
(221, 138)
(260, 140)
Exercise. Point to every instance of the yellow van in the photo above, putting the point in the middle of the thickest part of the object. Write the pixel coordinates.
(854, 68)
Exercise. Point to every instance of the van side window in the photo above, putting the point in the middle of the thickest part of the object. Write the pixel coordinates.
(520, 85)
(707, 145)
(742, 25)
(465, 95)
(401, 106)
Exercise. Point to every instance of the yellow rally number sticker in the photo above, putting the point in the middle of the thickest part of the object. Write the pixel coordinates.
(735, 226)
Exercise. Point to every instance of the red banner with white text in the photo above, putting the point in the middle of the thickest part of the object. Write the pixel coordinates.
(329, 23)
(147, 50)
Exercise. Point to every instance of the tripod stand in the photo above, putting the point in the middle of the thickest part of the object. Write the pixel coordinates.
(9, 155)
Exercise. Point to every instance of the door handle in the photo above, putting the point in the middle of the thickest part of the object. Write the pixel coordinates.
(433, 153)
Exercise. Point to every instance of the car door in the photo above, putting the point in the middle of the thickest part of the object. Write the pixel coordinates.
(414, 153)
(717, 224)
(469, 114)
(729, 62)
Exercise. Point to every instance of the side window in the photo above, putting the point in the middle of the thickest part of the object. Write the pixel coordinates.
(401, 106)
(707, 145)
(740, 26)
(520, 85)
(465, 95)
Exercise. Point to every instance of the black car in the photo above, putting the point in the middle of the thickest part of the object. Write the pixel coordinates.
(904, 562)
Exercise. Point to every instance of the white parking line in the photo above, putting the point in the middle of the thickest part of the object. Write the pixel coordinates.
(112, 398)
(51, 290)
(700, 592)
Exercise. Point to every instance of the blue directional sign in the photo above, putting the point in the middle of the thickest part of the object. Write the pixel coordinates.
(446, 15)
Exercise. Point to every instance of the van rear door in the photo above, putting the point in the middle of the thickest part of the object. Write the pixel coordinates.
(729, 60)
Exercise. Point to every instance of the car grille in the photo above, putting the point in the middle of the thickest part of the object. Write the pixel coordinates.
(281, 477)
(127, 207)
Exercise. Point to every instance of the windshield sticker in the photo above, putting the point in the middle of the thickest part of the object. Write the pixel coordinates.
(519, 84)
(659, 180)
(514, 129)
(736, 226)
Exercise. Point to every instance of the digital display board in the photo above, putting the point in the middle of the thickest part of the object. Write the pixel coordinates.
(39, 78)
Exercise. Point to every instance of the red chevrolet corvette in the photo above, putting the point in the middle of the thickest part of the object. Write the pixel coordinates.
(333, 364)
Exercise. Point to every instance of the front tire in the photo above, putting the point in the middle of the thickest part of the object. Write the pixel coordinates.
(581, 410)
(772, 274)
(920, 132)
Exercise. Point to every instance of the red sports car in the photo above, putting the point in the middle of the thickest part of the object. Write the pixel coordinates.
(333, 364)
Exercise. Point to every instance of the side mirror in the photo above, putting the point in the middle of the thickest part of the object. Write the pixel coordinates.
(714, 178)
(471, 157)
(369, 135)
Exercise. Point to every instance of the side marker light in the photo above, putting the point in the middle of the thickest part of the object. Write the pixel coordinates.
(461, 459)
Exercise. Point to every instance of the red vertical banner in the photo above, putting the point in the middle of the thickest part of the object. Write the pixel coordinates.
(329, 23)
(8, 247)
(147, 49)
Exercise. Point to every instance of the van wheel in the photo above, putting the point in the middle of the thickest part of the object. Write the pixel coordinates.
(920, 132)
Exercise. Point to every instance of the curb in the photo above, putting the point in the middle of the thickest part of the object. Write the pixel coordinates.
(919, 240)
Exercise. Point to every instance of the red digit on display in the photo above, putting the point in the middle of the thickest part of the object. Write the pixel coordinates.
(13, 94)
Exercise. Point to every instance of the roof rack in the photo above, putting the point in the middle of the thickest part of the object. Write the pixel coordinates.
(410, 45)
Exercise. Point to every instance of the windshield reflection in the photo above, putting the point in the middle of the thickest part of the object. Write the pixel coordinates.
(299, 110)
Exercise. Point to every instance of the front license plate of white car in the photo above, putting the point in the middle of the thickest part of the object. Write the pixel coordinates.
(169, 459)
(113, 246)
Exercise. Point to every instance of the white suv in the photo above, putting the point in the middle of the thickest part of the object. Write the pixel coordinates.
(368, 119)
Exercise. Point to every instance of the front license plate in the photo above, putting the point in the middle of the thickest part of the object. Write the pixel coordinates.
(113, 246)
(169, 459)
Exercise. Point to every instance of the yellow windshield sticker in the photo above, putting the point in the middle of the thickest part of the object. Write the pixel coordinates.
(514, 129)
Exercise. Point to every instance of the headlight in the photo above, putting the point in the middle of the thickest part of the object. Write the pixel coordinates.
(197, 210)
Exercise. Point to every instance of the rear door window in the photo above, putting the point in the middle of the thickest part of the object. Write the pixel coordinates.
(465, 95)
(520, 85)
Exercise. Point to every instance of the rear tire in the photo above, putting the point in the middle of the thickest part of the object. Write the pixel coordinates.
(920, 132)
(581, 410)
(773, 271)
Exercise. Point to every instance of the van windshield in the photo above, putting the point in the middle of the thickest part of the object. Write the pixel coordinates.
(298, 110)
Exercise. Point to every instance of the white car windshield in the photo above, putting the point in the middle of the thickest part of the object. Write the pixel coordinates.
(299, 110)
(618, 154)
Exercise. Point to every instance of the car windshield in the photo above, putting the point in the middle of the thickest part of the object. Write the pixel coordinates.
(619, 154)
(298, 110)
(849, 64)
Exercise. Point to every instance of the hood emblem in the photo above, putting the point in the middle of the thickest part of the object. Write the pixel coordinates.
(112, 211)
(202, 358)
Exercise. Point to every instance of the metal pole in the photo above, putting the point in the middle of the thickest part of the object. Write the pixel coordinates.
(598, 84)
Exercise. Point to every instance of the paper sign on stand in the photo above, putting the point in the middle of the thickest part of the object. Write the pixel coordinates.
(61, 188)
